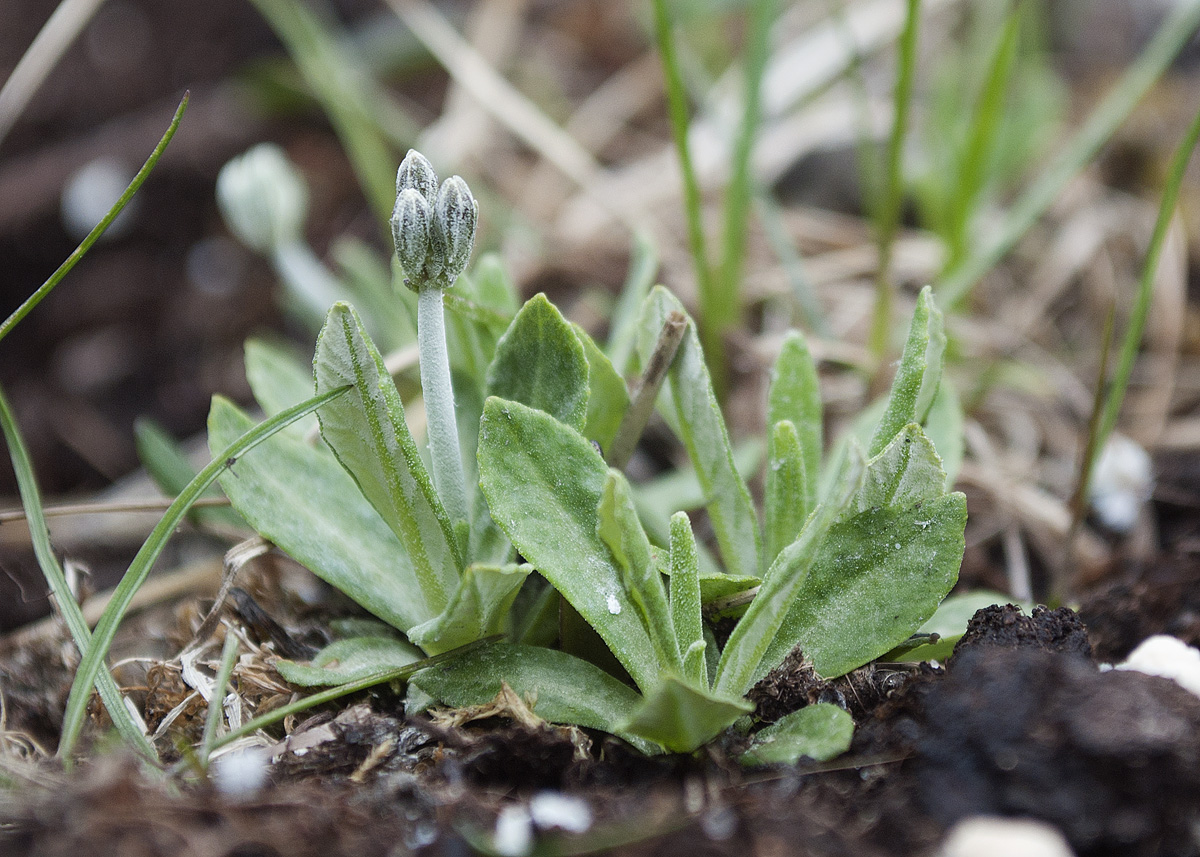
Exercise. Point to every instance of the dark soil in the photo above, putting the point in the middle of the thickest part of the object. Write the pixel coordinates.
(1019, 722)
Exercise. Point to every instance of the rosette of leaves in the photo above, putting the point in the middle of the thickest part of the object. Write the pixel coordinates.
(852, 555)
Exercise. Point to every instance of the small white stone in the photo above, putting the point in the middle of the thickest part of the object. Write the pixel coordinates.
(514, 832)
(240, 774)
(986, 836)
(1121, 484)
(1169, 657)
(555, 809)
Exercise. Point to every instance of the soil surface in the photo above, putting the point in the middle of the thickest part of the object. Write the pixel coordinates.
(1021, 721)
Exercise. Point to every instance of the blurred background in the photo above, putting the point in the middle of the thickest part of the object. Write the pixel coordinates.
(556, 113)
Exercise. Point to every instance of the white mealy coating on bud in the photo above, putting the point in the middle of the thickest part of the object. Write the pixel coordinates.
(263, 198)
(418, 174)
(454, 217)
(411, 226)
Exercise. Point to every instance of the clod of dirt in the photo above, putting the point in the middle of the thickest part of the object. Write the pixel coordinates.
(1112, 759)
(794, 684)
(1007, 627)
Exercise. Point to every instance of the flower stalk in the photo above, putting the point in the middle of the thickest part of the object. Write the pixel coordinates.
(434, 230)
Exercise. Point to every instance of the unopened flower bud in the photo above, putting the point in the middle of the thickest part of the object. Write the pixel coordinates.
(417, 173)
(411, 227)
(263, 198)
(454, 216)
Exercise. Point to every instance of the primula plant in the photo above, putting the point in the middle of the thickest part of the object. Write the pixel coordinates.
(529, 424)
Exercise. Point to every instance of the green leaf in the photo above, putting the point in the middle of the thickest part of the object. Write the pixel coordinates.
(344, 661)
(608, 397)
(785, 501)
(907, 472)
(619, 528)
(795, 395)
(279, 380)
(478, 608)
(681, 718)
(540, 362)
(564, 689)
(299, 498)
(695, 417)
(368, 281)
(920, 373)
(366, 431)
(543, 482)
(755, 635)
(820, 732)
(686, 615)
(884, 567)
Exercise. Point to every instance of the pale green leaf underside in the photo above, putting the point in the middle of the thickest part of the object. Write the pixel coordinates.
(540, 362)
(279, 380)
(478, 608)
(368, 434)
(681, 718)
(543, 482)
(298, 497)
(563, 688)
(695, 416)
(350, 660)
(820, 732)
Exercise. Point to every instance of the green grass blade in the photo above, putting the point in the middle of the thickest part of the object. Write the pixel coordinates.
(983, 135)
(212, 718)
(1141, 306)
(72, 615)
(93, 236)
(725, 311)
(92, 666)
(693, 203)
(1174, 33)
(888, 216)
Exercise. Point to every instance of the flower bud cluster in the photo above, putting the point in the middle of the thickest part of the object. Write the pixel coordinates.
(434, 227)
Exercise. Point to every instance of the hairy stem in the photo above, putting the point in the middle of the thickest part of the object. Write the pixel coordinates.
(448, 475)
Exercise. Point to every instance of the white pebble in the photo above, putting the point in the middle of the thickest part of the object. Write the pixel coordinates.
(1169, 657)
(240, 774)
(554, 809)
(986, 836)
(1121, 484)
(514, 832)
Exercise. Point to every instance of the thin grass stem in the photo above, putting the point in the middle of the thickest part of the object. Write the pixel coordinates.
(63, 596)
(693, 202)
(727, 309)
(1141, 306)
(92, 665)
(956, 284)
(888, 219)
(85, 245)
(212, 718)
